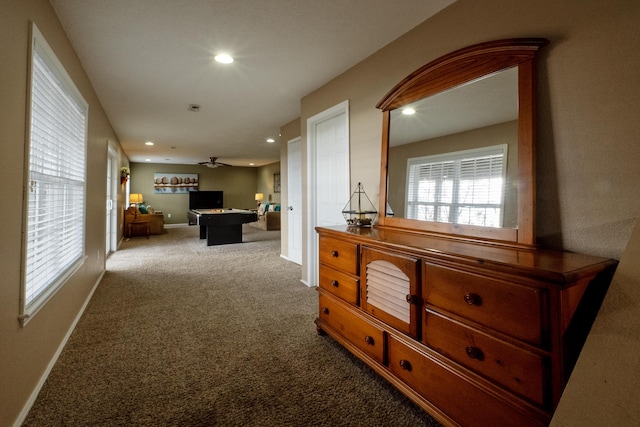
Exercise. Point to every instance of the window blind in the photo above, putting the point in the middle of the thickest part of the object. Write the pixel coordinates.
(464, 187)
(54, 243)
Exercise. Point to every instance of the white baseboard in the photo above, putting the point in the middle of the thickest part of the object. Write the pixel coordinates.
(287, 258)
(52, 362)
(304, 282)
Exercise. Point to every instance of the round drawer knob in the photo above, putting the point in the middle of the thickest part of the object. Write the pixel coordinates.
(474, 353)
(334, 283)
(334, 254)
(369, 340)
(325, 310)
(472, 299)
(405, 364)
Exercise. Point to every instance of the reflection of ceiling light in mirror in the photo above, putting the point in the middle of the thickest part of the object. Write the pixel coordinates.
(148, 143)
(223, 58)
(147, 160)
(271, 140)
(408, 111)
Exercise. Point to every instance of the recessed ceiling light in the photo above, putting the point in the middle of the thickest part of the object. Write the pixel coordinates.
(147, 160)
(408, 111)
(251, 164)
(223, 58)
(148, 143)
(271, 140)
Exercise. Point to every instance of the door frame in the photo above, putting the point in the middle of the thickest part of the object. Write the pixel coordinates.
(113, 183)
(290, 224)
(312, 237)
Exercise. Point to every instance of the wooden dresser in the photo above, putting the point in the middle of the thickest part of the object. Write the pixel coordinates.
(475, 334)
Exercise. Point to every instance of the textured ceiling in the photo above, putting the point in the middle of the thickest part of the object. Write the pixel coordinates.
(148, 60)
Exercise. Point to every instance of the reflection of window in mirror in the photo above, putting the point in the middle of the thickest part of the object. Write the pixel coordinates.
(501, 134)
(464, 187)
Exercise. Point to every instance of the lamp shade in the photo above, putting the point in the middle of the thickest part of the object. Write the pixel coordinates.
(259, 197)
(135, 198)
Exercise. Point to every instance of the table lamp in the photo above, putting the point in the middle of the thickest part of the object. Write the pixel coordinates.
(135, 199)
(259, 197)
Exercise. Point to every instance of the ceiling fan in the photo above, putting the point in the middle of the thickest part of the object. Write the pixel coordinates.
(213, 163)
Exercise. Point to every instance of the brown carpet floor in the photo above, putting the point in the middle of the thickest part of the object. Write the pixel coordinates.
(183, 334)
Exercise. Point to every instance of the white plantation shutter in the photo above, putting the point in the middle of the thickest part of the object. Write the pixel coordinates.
(464, 187)
(56, 182)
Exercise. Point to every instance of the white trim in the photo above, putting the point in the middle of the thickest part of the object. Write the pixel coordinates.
(113, 184)
(177, 225)
(312, 238)
(290, 223)
(34, 394)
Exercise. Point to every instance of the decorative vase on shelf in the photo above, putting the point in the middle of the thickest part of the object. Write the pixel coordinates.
(359, 211)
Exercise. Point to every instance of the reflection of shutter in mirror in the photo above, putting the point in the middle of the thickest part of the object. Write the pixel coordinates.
(387, 289)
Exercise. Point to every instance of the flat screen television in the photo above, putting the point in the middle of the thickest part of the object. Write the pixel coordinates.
(205, 200)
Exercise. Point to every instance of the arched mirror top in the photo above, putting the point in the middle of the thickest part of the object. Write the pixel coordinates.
(475, 103)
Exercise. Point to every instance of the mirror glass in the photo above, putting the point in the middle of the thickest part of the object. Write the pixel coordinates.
(455, 158)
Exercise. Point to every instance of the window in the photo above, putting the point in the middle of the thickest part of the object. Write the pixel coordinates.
(464, 187)
(55, 186)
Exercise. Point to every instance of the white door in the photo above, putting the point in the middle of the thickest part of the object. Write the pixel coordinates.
(328, 180)
(111, 220)
(294, 196)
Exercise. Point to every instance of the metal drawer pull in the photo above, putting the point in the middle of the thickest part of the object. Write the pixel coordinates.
(325, 310)
(335, 283)
(334, 254)
(475, 353)
(472, 299)
(369, 340)
(405, 364)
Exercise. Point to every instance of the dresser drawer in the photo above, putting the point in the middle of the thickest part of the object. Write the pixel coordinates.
(355, 329)
(516, 310)
(340, 284)
(460, 399)
(515, 368)
(339, 254)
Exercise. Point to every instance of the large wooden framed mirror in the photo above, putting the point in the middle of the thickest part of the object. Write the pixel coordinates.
(458, 145)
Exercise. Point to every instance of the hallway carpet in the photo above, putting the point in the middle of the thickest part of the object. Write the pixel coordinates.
(183, 334)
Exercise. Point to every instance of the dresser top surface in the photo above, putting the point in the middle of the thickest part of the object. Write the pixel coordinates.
(555, 266)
